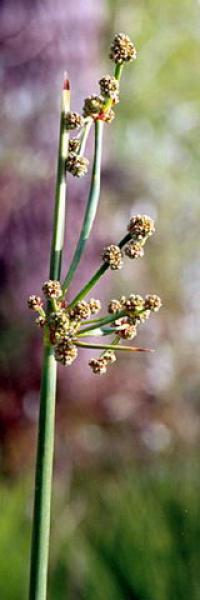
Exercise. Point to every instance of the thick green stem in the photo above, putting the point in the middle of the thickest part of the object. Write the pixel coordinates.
(91, 207)
(97, 275)
(45, 449)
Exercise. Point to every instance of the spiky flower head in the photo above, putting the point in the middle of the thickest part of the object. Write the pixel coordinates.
(134, 303)
(98, 365)
(73, 120)
(52, 289)
(65, 352)
(134, 250)
(58, 323)
(95, 306)
(77, 165)
(74, 145)
(93, 105)
(114, 306)
(109, 357)
(153, 302)
(113, 257)
(81, 311)
(34, 303)
(127, 329)
(141, 227)
(109, 87)
(122, 49)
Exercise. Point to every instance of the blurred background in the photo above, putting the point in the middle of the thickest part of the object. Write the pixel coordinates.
(126, 501)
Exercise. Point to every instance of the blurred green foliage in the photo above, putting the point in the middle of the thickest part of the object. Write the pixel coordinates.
(117, 536)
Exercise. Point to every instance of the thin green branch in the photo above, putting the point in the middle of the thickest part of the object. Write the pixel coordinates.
(97, 275)
(91, 207)
(84, 136)
(112, 347)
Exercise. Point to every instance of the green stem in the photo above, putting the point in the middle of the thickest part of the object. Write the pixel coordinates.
(84, 136)
(104, 321)
(91, 207)
(45, 448)
(95, 278)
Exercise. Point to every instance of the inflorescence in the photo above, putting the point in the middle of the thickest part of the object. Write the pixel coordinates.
(66, 325)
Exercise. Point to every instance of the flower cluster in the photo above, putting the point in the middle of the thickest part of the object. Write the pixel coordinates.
(67, 326)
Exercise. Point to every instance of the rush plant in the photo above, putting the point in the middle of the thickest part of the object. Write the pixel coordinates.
(69, 327)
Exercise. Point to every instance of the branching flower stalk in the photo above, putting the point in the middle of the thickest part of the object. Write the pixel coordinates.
(66, 325)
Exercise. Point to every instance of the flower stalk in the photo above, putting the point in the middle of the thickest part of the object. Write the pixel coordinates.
(45, 449)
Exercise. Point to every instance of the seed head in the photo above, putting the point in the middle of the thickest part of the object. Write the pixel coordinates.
(98, 365)
(58, 323)
(122, 49)
(109, 87)
(113, 256)
(74, 145)
(141, 227)
(114, 306)
(52, 289)
(152, 302)
(73, 120)
(77, 165)
(95, 306)
(34, 303)
(134, 250)
(134, 303)
(81, 311)
(93, 105)
(65, 352)
(128, 329)
(109, 357)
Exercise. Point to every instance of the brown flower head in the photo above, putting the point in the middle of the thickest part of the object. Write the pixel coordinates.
(114, 306)
(98, 365)
(152, 302)
(134, 303)
(73, 120)
(52, 289)
(81, 311)
(113, 256)
(127, 329)
(93, 105)
(95, 306)
(77, 165)
(109, 87)
(122, 49)
(34, 303)
(141, 227)
(134, 250)
(74, 145)
(65, 352)
(109, 357)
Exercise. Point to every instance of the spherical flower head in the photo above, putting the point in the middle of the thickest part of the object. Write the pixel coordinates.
(74, 145)
(65, 352)
(95, 306)
(127, 329)
(134, 250)
(109, 87)
(98, 366)
(77, 165)
(58, 323)
(109, 357)
(93, 105)
(52, 289)
(113, 257)
(73, 120)
(81, 311)
(114, 306)
(122, 49)
(141, 227)
(153, 302)
(134, 303)
(34, 303)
